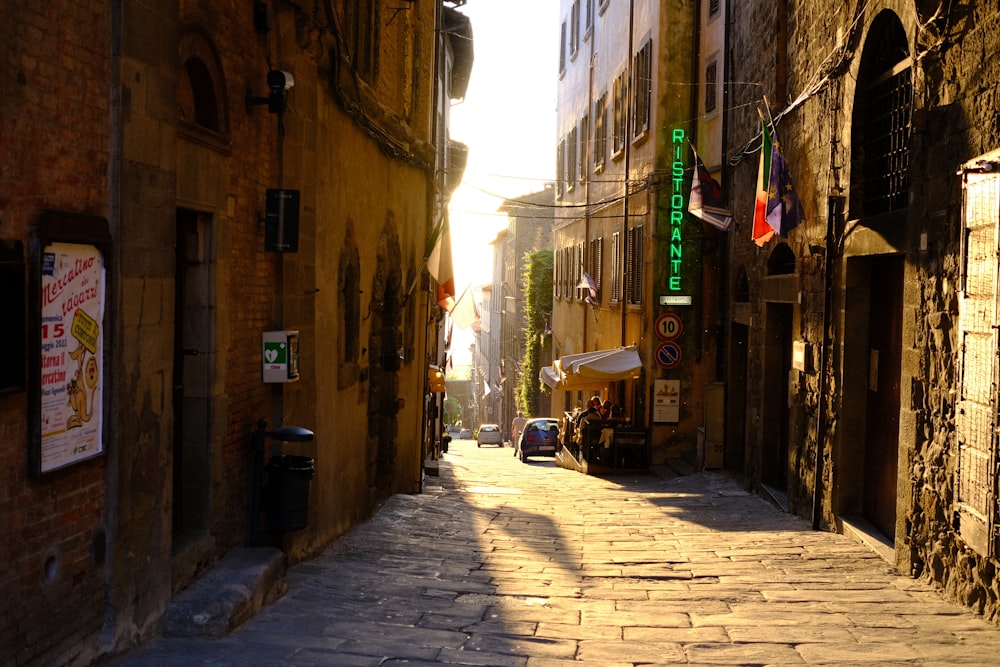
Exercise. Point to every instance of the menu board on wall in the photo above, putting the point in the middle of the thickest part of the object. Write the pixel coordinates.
(72, 301)
(666, 401)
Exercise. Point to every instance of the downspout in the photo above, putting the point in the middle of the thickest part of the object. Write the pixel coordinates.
(586, 193)
(834, 210)
(626, 111)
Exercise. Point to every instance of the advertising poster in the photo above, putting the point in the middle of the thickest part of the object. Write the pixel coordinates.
(72, 377)
(667, 401)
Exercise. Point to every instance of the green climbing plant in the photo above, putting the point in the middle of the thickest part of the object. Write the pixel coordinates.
(537, 310)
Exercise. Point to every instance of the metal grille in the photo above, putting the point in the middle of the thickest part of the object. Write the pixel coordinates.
(976, 418)
(888, 133)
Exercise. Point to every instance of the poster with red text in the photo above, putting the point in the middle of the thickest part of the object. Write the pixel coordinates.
(72, 383)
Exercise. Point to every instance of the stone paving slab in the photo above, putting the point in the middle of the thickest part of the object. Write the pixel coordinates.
(504, 564)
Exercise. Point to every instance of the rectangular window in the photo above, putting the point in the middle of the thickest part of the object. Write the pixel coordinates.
(642, 83)
(588, 18)
(595, 252)
(886, 150)
(562, 48)
(634, 264)
(604, 5)
(561, 169)
(616, 266)
(618, 119)
(361, 25)
(572, 146)
(711, 85)
(976, 413)
(584, 153)
(12, 297)
(578, 270)
(600, 131)
(574, 29)
(713, 8)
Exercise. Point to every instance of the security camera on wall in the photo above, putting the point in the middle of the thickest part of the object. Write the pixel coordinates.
(279, 81)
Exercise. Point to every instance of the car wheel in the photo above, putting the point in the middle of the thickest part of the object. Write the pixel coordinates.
(524, 457)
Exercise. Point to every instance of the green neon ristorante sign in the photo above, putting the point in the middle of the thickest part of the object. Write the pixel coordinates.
(677, 206)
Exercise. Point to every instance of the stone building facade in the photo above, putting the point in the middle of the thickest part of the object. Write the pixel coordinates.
(143, 139)
(862, 347)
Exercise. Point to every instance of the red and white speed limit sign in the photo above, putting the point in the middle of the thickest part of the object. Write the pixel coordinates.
(668, 326)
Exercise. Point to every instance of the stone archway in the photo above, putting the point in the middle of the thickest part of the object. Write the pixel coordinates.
(384, 343)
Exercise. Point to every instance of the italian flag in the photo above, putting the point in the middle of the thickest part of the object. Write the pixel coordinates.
(762, 231)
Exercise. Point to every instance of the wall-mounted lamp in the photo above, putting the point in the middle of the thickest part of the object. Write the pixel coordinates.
(279, 83)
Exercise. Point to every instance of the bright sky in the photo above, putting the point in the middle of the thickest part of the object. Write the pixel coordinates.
(508, 121)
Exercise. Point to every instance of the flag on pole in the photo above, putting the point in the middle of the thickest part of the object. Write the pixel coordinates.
(587, 283)
(705, 201)
(439, 265)
(762, 231)
(784, 210)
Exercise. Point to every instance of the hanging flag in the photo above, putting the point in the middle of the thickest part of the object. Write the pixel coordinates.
(762, 232)
(705, 201)
(503, 376)
(486, 389)
(587, 283)
(464, 312)
(784, 210)
(447, 338)
(439, 265)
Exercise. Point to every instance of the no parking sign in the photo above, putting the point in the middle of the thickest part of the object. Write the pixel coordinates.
(668, 355)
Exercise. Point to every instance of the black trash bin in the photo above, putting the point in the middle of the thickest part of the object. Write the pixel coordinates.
(287, 492)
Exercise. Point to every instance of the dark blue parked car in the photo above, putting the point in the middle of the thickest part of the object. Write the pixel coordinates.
(539, 438)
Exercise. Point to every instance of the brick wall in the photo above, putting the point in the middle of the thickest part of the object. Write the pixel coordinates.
(55, 66)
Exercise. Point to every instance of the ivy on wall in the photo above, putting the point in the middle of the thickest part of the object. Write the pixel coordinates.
(537, 312)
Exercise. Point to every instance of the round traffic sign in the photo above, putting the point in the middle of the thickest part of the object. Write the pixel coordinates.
(668, 326)
(668, 355)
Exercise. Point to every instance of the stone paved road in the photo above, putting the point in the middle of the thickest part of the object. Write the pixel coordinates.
(529, 565)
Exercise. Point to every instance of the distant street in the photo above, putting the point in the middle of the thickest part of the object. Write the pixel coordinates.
(510, 564)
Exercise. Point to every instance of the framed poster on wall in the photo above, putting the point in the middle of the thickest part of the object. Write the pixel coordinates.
(69, 293)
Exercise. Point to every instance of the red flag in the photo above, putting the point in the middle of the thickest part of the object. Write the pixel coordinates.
(440, 267)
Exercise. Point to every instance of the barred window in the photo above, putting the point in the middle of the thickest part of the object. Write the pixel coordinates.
(711, 85)
(881, 121)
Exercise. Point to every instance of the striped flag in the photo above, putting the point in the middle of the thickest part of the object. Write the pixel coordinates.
(762, 232)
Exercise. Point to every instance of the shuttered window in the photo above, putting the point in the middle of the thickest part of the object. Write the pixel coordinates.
(976, 414)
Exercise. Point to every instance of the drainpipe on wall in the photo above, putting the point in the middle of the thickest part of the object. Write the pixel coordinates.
(834, 211)
(623, 297)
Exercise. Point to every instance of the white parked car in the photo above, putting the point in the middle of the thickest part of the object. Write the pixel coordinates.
(489, 434)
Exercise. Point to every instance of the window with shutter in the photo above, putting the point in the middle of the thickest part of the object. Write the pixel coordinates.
(976, 413)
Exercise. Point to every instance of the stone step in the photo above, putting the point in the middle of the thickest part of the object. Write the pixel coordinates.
(231, 592)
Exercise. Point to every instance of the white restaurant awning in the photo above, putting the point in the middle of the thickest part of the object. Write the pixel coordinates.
(592, 370)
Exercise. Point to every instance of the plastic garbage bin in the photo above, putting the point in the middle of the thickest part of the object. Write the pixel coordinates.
(287, 491)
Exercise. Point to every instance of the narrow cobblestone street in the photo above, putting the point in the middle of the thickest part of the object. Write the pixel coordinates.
(529, 565)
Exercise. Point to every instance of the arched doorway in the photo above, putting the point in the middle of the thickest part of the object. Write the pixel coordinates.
(873, 291)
